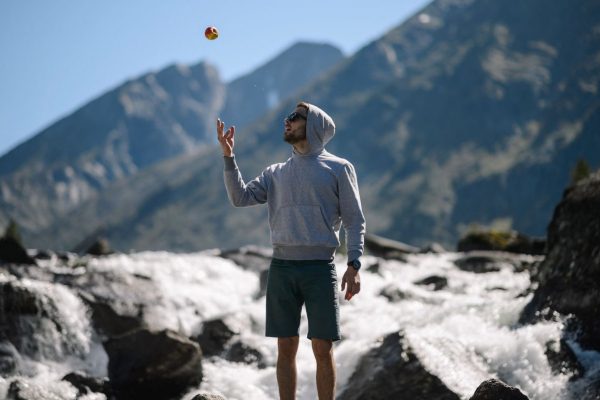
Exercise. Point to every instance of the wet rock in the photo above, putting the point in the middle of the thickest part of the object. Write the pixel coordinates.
(393, 294)
(393, 371)
(387, 248)
(252, 258)
(100, 247)
(11, 251)
(434, 281)
(569, 277)
(214, 336)
(563, 360)
(208, 396)
(243, 353)
(86, 384)
(494, 389)
(107, 321)
(10, 359)
(480, 262)
(159, 365)
(373, 268)
(510, 241)
(434, 248)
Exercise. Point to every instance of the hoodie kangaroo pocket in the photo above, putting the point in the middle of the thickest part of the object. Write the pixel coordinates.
(302, 226)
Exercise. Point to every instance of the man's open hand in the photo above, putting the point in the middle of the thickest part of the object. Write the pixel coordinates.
(225, 139)
(352, 280)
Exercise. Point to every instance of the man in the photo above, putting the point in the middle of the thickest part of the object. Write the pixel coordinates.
(309, 196)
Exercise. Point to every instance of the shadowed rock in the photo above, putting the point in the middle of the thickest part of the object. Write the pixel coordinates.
(87, 384)
(208, 396)
(11, 251)
(393, 371)
(510, 241)
(494, 389)
(387, 248)
(243, 353)
(569, 276)
(215, 335)
(159, 365)
(436, 282)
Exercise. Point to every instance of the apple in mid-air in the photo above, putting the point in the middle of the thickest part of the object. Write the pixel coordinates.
(211, 33)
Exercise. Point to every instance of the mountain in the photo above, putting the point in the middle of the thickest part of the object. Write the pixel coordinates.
(251, 96)
(470, 112)
(138, 124)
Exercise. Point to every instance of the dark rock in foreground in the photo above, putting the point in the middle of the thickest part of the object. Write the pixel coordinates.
(158, 365)
(494, 389)
(569, 276)
(107, 321)
(393, 371)
(11, 251)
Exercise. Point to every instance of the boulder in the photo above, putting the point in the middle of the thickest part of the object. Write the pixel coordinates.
(160, 365)
(10, 359)
(252, 258)
(214, 337)
(87, 384)
(494, 389)
(494, 240)
(11, 251)
(387, 248)
(434, 248)
(569, 277)
(491, 261)
(107, 321)
(434, 281)
(243, 353)
(100, 247)
(562, 359)
(208, 396)
(393, 293)
(393, 371)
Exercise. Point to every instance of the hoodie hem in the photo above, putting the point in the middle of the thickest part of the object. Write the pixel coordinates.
(304, 252)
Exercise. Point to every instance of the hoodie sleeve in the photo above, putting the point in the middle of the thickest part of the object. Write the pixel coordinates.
(351, 212)
(241, 194)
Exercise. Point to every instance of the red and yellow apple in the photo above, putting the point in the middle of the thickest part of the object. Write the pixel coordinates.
(211, 33)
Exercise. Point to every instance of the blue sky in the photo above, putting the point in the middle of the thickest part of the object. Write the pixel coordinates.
(57, 55)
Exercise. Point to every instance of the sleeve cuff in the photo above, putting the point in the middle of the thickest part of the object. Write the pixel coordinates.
(353, 255)
(230, 163)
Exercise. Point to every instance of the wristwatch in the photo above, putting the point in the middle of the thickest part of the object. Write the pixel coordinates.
(354, 264)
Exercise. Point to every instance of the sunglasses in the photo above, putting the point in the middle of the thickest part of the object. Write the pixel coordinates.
(294, 116)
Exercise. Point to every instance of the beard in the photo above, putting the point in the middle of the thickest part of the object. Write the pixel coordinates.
(294, 136)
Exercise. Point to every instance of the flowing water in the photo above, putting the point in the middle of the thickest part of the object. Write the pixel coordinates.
(464, 334)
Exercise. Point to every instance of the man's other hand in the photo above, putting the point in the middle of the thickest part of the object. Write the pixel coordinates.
(351, 279)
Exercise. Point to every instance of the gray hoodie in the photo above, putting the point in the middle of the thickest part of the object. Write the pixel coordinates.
(309, 196)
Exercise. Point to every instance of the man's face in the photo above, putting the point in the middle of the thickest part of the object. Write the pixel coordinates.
(295, 126)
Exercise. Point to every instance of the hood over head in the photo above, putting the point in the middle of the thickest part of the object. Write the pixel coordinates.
(320, 128)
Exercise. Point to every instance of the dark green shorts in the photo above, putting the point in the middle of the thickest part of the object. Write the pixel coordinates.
(294, 283)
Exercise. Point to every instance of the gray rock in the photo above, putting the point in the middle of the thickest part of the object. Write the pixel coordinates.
(393, 371)
(243, 353)
(494, 389)
(160, 365)
(387, 248)
(434, 281)
(569, 277)
(214, 337)
(208, 396)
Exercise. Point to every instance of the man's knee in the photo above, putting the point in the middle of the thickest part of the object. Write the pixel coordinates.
(322, 348)
(288, 346)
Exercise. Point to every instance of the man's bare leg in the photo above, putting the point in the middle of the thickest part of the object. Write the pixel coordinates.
(287, 347)
(323, 351)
